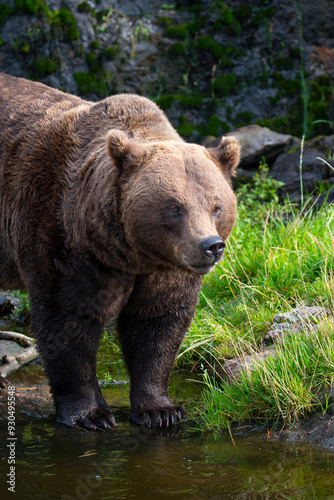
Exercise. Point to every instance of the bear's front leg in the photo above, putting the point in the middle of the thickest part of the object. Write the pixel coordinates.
(68, 335)
(151, 328)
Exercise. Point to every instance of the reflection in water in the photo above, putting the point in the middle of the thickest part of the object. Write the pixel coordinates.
(130, 462)
(54, 462)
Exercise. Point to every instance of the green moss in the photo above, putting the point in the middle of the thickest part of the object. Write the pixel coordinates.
(187, 102)
(79, 50)
(269, 12)
(196, 24)
(184, 128)
(213, 126)
(43, 66)
(321, 88)
(225, 127)
(225, 62)
(64, 20)
(94, 63)
(110, 53)
(208, 43)
(257, 20)
(320, 94)
(227, 17)
(178, 48)
(32, 6)
(274, 100)
(21, 46)
(84, 7)
(165, 21)
(244, 118)
(174, 31)
(243, 13)
(90, 83)
(95, 45)
(168, 6)
(289, 87)
(224, 84)
(101, 15)
(165, 101)
(5, 11)
(1, 42)
(283, 63)
(191, 101)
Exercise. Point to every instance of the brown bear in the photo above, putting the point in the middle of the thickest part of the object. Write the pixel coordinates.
(105, 212)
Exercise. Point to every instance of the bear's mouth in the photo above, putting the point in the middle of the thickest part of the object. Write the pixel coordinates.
(200, 268)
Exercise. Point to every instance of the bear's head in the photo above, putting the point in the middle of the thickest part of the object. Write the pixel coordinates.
(176, 202)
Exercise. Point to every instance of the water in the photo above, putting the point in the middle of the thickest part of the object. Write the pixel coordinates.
(130, 462)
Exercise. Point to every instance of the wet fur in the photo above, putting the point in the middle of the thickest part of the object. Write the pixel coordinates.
(82, 193)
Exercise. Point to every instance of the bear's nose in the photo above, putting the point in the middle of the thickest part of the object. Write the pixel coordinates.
(213, 247)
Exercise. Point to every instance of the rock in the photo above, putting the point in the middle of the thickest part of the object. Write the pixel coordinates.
(286, 169)
(9, 348)
(232, 368)
(278, 331)
(318, 430)
(295, 321)
(302, 314)
(257, 142)
(327, 197)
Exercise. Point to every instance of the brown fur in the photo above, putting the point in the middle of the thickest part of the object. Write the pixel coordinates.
(104, 209)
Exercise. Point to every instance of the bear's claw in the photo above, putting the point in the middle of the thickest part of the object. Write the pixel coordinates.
(96, 419)
(162, 417)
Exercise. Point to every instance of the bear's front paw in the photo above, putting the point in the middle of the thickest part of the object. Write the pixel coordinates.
(91, 419)
(159, 417)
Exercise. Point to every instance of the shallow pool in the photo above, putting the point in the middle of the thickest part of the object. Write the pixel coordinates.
(129, 462)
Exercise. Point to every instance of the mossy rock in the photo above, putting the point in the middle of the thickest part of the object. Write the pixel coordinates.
(184, 128)
(227, 18)
(215, 127)
(165, 101)
(165, 21)
(21, 46)
(178, 48)
(31, 6)
(174, 31)
(290, 87)
(95, 45)
(224, 84)
(93, 62)
(110, 53)
(208, 43)
(43, 66)
(5, 11)
(84, 7)
(91, 83)
(65, 21)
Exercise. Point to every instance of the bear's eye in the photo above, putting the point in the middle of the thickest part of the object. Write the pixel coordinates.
(176, 209)
(217, 210)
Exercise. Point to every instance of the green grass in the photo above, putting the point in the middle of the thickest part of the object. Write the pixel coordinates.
(277, 258)
(280, 389)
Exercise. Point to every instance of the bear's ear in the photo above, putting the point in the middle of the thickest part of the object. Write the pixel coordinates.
(227, 154)
(126, 154)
